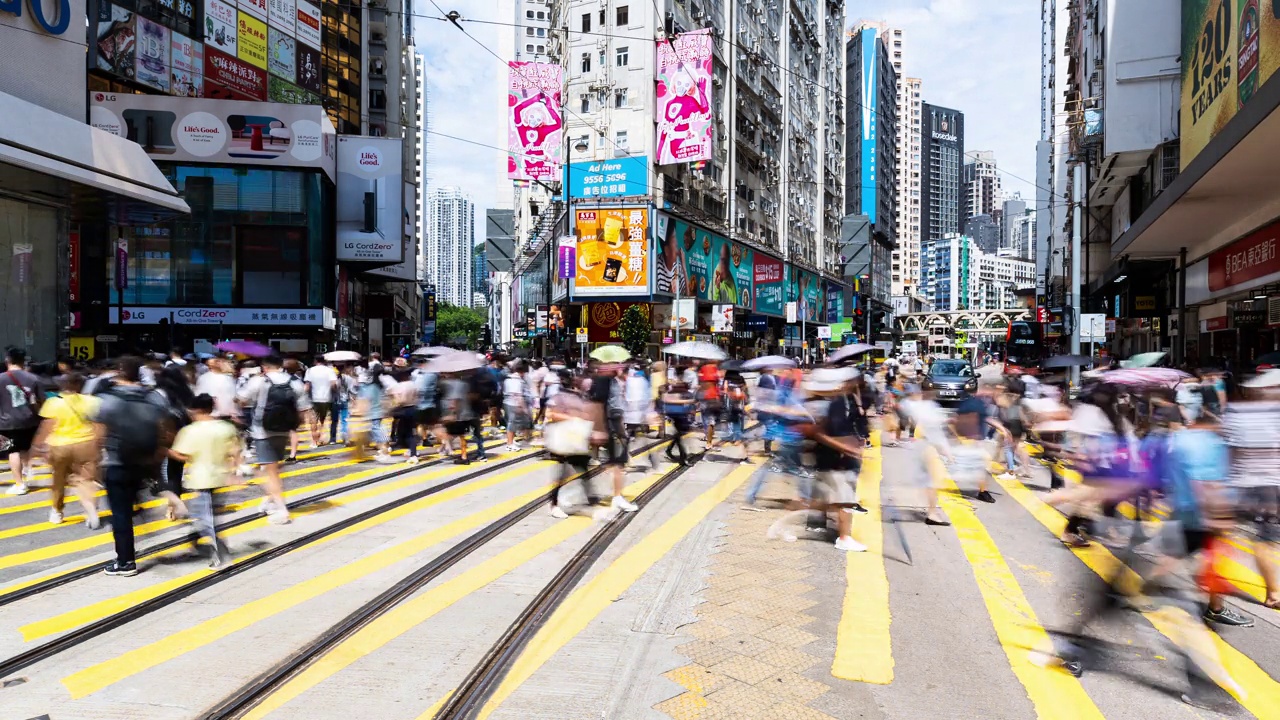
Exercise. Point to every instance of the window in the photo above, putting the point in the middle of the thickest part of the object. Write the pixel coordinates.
(601, 17)
(622, 57)
(528, 31)
(622, 16)
(542, 15)
(600, 139)
(542, 49)
(542, 32)
(586, 22)
(528, 14)
(620, 139)
(620, 99)
(586, 62)
(601, 58)
(586, 103)
(528, 48)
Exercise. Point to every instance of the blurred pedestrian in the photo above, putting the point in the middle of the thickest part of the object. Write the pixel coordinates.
(209, 447)
(20, 399)
(73, 451)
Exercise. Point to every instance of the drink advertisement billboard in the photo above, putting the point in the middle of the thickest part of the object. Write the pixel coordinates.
(612, 252)
(369, 199)
(711, 266)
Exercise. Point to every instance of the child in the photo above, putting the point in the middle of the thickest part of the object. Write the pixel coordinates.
(209, 447)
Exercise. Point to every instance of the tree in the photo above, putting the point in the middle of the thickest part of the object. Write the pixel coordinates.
(458, 325)
(634, 329)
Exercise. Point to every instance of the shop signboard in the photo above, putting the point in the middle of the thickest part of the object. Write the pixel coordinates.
(283, 15)
(220, 26)
(282, 54)
(1215, 323)
(1254, 256)
(824, 332)
(806, 289)
(308, 24)
(756, 323)
(1230, 48)
(228, 78)
(616, 177)
(369, 199)
(767, 279)
(186, 66)
(792, 312)
(221, 131)
(152, 315)
(721, 318)
(1249, 318)
(251, 36)
(151, 55)
(605, 320)
(713, 267)
(612, 252)
(308, 65)
(567, 257)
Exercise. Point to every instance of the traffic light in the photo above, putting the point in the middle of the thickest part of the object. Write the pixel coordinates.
(487, 335)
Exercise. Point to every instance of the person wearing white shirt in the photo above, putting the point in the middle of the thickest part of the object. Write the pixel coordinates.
(270, 445)
(320, 380)
(220, 385)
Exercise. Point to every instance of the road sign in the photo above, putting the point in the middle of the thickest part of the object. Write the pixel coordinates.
(581, 335)
(1093, 327)
(824, 333)
(791, 312)
(909, 347)
(108, 338)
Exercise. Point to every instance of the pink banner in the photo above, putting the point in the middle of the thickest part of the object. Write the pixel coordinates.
(535, 129)
(684, 98)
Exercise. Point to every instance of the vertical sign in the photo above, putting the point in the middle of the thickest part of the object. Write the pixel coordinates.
(122, 264)
(567, 257)
(684, 98)
(73, 261)
(869, 121)
(791, 311)
(535, 123)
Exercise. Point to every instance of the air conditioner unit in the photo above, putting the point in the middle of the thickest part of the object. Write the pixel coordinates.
(716, 81)
(752, 204)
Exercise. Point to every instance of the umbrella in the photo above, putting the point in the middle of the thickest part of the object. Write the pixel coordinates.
(1065, 361)
(245, 347)
(342, 356)
(1167, 377)
(455, 362)
(1144, 360)
(769, 362)
(697, 349)
(850, 351)
(733, 366)
(611, 354)
(433, 351)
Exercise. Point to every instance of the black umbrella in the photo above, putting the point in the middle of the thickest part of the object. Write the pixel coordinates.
(1066, 361)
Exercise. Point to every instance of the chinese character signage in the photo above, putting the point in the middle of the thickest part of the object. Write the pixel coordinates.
(609, 178)
(308, 77)
(308, 24)
(150, 315)
(612, 253)
(220, 26)
(535, 123)
(835, 303)
(186, 65)
(282, 15)
(1254, 256)
(257, 8)
(567, 257)
(684, 98)
(703, 264)
(768, 275)
(252, 39)
(282, 55)
(228, 78)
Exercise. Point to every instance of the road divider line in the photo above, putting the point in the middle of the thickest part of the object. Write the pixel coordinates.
(101, 675)
(864, 647)
(587, 602)
(1261, 692)
(1053, 692)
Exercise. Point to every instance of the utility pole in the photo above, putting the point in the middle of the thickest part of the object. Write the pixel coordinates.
(1073, 296)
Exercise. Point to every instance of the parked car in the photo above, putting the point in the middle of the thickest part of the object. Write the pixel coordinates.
(952, 380)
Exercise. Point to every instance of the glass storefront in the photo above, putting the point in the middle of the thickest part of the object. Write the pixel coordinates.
(29, 251)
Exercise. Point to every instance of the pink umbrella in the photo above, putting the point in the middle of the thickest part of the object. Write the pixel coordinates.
(1167, 377)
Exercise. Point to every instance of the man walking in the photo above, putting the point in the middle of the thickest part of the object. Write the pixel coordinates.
(319, 380)
(279, 403)
(20, 400)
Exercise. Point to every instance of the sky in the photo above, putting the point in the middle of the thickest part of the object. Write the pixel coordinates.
(981, 57)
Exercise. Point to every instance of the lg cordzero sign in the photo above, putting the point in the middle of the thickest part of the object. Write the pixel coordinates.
(178, 129)
(370, 200)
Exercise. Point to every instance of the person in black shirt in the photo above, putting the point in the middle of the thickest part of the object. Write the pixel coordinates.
(21, 395)
(606, 392)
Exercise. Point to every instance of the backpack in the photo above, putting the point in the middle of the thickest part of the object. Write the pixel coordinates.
(484, 386)
(138, 432)
(279, 407)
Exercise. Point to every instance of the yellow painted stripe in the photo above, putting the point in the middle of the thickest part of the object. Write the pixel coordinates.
(97, 677)
(1261, 692)
(864, 649)
(1053, 693)
(591, 599)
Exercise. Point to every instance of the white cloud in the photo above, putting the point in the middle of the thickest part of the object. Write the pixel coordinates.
(981, 57)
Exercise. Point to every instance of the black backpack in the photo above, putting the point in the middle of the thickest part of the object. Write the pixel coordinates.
(280, 407)
(138, 430)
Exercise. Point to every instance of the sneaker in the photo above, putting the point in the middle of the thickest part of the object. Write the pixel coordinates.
(93, 523)
(412, 460)
(18, 488)
(604, 514)
(558, 513)
(850, 545)
(1227, 616)
(624, 504)
(122, 569)
(266, 506)
(383, 458)
(55, 517)
(986, 497)
(279, 517)
(1006, 475)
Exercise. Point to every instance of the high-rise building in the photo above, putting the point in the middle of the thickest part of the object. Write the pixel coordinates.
(1022, 236)
(1053, 147)
(958, 275)
(450, 243)
(981, 185)
(941, 180)
(1013, 208)
(985, 232)
(906, 259)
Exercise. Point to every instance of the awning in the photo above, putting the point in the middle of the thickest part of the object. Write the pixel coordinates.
(49, 143)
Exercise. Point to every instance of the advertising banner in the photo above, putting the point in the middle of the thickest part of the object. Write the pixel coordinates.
(186, 64)
(150, 315)
(835, 302)
(711, 266)
(282, 55)
(251, 34)
(369, 199)
(1253, 256)
(792, 313)
(1229, 49)
(308, 24)
(281, 91)
(870, 101)
(122, 264)
(220, 23)
(282, 15)
(200, 130)
(609, 178)
(768, 283)
(806, 289)
(117, 40)
(227, 78)
(613, 252)
(535, 121)
(257, 8)
(684, 98)
(605, 318)
(308, 77)
(683, 310)
(567, 257)
(152, 55)
(721, 318)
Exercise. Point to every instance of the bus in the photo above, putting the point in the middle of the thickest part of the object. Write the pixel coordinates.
(1024, 346)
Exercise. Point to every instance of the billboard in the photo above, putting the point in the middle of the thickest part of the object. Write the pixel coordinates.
(251, 34)
(684, 98)
(117, 40)
(613, 252)
(258, 8)
(152, 55)
(308, 76)
(806, 289)
(835, 302)
(219, 131)
(768, 276)
(869, 121)
(186, 65)
(308, 24)
(712, 267)
(220, 26)
(282, 55)
(535, 121)
(1229, 49)
(370, 200)
(228, 78)
(616, 177)
(282, 15)
(281, 91)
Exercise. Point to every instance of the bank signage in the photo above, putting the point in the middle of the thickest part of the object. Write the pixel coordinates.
(152, 315)
(1254, 256)
(369, 200)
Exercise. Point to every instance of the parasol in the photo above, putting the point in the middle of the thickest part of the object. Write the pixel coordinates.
(245, 347)
(697, 349)
(611, 354)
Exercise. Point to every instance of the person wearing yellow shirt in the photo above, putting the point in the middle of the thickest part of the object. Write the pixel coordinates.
(210, 448)
(67, 430)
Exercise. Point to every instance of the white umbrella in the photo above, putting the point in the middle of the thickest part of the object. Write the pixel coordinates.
(454, 362)
(850, 351)
(769, 362)
(342, 356)
(697, 349)
(433, 351)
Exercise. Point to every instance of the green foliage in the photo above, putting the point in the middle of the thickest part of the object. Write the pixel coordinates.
(635, 329)
(458, 325)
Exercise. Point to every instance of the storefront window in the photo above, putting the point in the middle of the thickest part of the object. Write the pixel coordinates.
(28, 278)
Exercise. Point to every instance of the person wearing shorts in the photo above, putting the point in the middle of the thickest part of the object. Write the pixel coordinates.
(68, 432)
(20, 400)
(271, 448)
(709, 404)
(1249, 429)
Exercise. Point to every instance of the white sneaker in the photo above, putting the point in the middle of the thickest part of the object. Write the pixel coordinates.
(279, 517)
(1006, 475)
(604, 514)
(850, 545)
(55, 517)
(412, 460)
(383, 458)
(93, 523)
(266, 506)
(623, 504)
(18, 488)
(558, 513)
(245, 470)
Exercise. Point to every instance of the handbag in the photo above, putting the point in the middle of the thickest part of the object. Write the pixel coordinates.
(568, 437)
